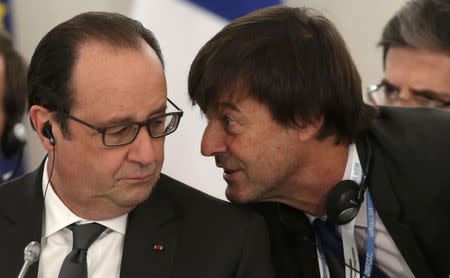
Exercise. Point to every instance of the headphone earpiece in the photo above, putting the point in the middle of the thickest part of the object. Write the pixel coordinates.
(342, 202)
(47, 132)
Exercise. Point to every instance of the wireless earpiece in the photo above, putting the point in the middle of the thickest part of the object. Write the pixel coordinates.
(47, 132)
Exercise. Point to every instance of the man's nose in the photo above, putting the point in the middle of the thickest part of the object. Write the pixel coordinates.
(213, 140)
(405, 98)
(145, 149)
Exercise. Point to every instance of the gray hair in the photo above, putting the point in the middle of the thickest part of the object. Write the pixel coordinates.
(423, 24)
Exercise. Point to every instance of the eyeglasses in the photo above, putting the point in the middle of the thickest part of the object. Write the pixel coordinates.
(126, 133)
(386, 94)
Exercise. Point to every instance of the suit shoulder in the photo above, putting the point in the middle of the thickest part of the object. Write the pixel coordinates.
(20, 191)
(195, 201)
(15, 186)
(424, 127)
(427, 119)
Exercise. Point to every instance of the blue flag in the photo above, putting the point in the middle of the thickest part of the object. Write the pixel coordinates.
(5, 16)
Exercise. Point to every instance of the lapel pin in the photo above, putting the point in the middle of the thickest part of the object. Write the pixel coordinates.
(158, 247)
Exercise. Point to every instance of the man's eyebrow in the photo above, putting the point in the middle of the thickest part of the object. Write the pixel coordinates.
(386, 82)
(426, 93)
(160, 110)
(431, 94)
(117, 120)
(228, 105)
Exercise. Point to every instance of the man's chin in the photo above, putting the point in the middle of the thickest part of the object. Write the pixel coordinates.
(133, 195)
(236, 195)
(133, 200)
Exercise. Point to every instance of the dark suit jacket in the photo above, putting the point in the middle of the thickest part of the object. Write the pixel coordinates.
(202, 236)
(410, 185)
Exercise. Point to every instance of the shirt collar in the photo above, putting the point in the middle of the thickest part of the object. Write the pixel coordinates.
(352, 158)
(58, 216)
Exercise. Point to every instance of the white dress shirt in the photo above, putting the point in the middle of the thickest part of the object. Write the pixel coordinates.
(104, 255)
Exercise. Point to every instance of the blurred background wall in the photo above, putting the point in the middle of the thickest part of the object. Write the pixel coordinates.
(182, 28)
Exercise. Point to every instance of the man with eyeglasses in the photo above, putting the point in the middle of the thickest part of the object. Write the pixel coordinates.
(99, 206)
(416, 53)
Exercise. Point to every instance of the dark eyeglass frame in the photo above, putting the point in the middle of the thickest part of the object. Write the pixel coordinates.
(102, 130)
(374, 89)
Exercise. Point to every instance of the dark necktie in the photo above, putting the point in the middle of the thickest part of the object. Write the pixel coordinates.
(75, 263)
(331, 244)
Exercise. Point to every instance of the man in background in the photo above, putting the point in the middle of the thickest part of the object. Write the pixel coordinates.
(288, 125)
(416, 57)
(13, 92)
(99, 205)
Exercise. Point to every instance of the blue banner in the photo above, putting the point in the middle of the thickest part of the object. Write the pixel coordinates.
(232, 9)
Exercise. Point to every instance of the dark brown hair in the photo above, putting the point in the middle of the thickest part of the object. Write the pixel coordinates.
(294, 61)
(51, 66)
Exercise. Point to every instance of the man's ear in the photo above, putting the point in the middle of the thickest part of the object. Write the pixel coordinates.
(309, 131)
(39, 118)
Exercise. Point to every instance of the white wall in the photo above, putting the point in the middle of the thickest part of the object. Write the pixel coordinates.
(360, 22)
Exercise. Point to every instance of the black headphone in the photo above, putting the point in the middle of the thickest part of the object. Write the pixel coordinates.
(47, 132)
(346, 197)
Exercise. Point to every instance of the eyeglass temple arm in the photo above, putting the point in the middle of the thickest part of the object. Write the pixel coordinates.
(174, 105)
(371, 89)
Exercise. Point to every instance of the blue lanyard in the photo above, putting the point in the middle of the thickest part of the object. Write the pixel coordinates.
(370, 234)
(370, 241)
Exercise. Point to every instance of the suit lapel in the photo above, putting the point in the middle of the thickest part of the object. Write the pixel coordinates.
(292, 241)
(388, 208)
(150, 239)
(305, 246)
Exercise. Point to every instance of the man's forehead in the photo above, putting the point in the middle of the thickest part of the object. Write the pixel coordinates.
(101, 79)
(228, 99)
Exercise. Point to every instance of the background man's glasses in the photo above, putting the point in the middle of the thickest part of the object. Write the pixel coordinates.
(126, 133)
(386, 94)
